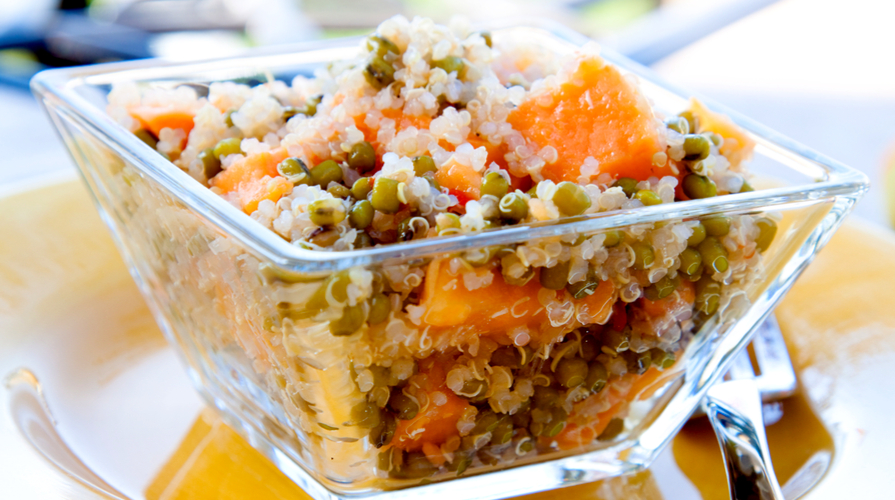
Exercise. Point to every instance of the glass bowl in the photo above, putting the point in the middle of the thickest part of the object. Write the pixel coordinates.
(234, 297)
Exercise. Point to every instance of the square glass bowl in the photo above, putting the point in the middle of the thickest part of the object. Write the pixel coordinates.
(233, 296)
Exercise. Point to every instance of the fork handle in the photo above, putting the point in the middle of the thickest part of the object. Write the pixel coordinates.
(734, 409)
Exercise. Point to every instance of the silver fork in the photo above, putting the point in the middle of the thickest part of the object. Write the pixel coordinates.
(734, 407)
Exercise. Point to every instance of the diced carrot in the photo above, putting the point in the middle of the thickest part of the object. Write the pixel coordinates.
(434, 454)
(248, 169)
(402, 121)
(598, 113)
(435, 423)
(602, 301)
(462, 198)
(464, 182)
(460, 179)
(584, 426)
(498, 307)
(737, 145)
(155, 118)
(575, 434)
(436, 374)
(684, 295)
(255, 178)
(266, 188)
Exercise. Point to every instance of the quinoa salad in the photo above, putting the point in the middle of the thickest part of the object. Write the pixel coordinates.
(493, 356)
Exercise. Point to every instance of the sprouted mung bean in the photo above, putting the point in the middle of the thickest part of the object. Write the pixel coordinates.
(497, 353)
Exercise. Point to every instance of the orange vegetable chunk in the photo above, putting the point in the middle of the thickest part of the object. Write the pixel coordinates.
(249, 168)
(586, 422)
(254, 178)
(498, 307)
(435, 423)
(574, 435)
(737, 145)
(598, 113)
(461, 179)
(402, 121)
(683, 297)
(265, 188)
(154, 118)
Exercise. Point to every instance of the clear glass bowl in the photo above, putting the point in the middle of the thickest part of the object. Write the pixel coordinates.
(213, 278)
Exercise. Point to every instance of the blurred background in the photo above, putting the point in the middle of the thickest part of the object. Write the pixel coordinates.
(819, 71)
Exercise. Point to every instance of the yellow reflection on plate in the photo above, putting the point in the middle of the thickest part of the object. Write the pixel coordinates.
(799, 438)
(214, 462)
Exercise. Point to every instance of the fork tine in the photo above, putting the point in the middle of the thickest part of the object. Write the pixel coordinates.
(739, 418)
(776, 379)
(741, 367)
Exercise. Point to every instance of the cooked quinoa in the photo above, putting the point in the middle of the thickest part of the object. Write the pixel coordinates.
(480, 358)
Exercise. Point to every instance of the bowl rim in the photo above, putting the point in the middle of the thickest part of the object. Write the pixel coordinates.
(834, 183)
(58, 87)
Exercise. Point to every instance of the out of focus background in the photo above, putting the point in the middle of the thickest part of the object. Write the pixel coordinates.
(819, 71)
